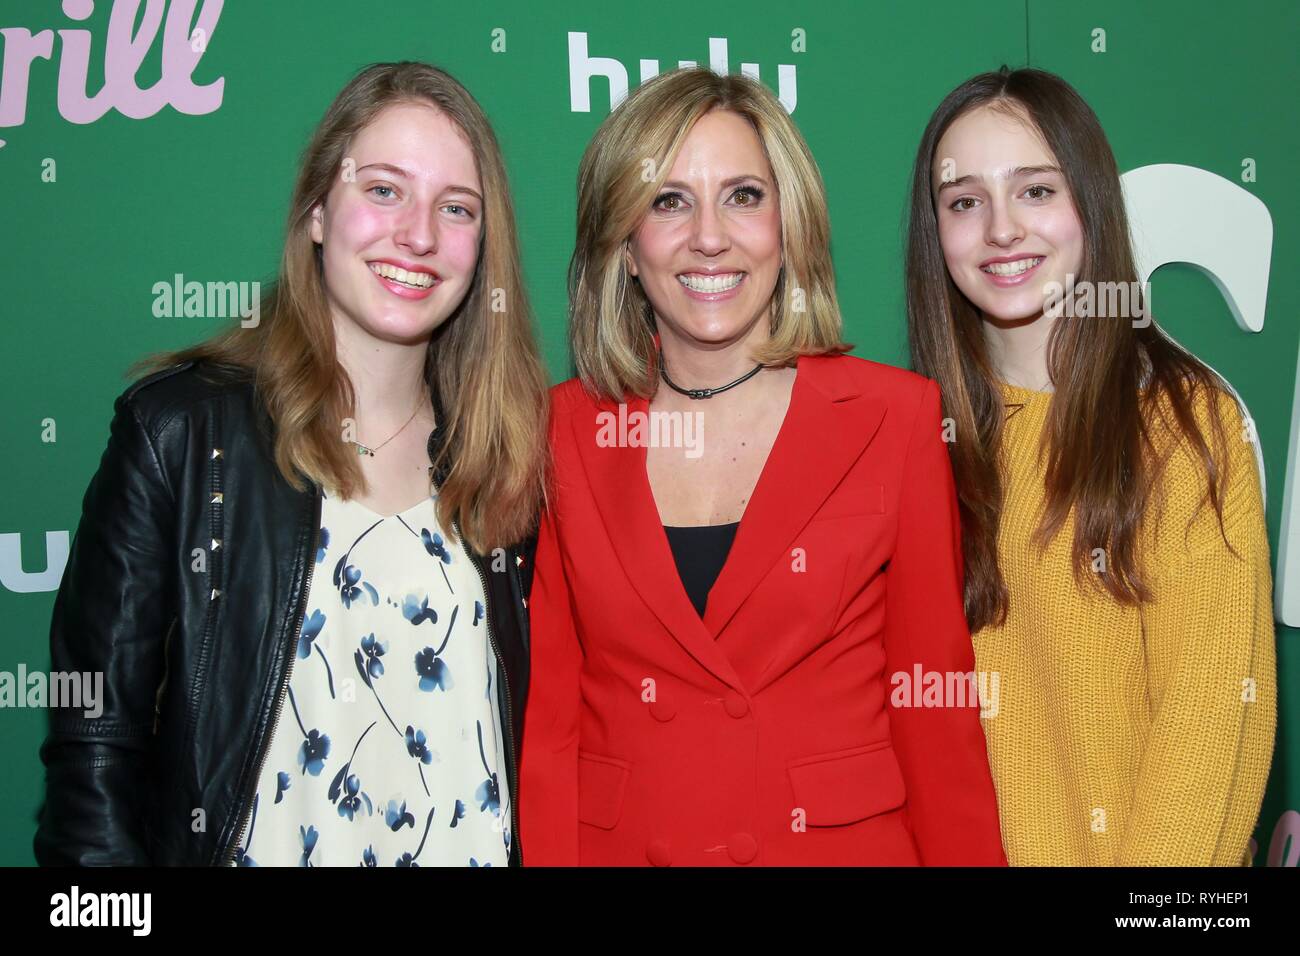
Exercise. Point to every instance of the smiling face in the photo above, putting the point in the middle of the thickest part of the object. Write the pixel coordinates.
(709, 251)
(400, 238)
(1007, 223)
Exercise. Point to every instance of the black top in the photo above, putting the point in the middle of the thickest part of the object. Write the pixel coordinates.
(700, 553)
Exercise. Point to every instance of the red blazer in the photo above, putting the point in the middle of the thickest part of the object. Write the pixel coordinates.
(763, 734)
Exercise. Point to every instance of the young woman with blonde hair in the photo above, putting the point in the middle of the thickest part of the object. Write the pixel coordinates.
(750, 535)
(295, 566)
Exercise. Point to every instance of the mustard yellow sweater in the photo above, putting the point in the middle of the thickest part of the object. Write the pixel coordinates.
(1132, 736)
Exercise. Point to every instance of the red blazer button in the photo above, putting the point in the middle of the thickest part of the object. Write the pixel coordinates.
(662, 711)
(742, 847)
(735, 705)
(659, 852)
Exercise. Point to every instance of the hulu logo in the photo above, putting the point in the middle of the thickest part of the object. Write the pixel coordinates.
(583, 67)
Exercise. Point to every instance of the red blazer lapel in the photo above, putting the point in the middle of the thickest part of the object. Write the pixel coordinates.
(621, 488)
(827, 426)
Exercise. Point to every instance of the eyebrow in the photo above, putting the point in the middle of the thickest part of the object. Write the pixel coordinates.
(674, 184)
(1018, 171)
(389, 167)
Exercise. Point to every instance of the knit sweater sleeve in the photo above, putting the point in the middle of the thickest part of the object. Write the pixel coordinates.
(1211, 667)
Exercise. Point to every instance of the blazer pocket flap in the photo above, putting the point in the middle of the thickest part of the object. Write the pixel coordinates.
(857, 502)
(847, 785)
(602, 782)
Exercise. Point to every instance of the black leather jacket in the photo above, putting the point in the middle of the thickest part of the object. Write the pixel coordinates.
(196, 662)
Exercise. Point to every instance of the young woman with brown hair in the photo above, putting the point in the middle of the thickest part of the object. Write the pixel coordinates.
(1117, 564)
(295, 566)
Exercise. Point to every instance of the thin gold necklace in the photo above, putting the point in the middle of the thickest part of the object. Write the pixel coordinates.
(367, 450)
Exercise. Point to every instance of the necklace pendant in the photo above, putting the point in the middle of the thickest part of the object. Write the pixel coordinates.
(363, 450)
(696, 394)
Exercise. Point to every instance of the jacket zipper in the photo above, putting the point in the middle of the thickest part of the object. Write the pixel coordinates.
(246, 805)
(505, 679)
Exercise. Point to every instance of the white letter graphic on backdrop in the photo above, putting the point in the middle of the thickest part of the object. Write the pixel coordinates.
(12, 575)
(583, 67)
(1185, 214)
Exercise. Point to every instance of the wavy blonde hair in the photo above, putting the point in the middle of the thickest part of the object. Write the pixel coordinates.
(611, 324)
(482, 366)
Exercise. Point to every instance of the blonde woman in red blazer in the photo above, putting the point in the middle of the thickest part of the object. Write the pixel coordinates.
(750, 562)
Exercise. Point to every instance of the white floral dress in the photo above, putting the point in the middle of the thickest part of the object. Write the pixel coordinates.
(387, 751)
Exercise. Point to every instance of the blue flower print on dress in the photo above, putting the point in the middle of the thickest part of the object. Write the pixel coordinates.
(417, 747)
(397, 817)
(311, 628)
(315, 745)
(351, 803)
(371, 668)
(408, 859)
(434, 544)
(417, 610)
(434, 673)
(489, 791)
(489, 795)
(355, 806)
(311, 757)
(308, 836)
(373, 650)
(343, 780)
(346, 578)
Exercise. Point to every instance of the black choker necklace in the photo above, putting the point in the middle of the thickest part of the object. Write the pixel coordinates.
(703, 392)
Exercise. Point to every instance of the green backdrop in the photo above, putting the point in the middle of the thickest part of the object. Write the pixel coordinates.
(132, 202)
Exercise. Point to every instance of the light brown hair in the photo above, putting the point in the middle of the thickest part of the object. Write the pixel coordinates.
(482, 365)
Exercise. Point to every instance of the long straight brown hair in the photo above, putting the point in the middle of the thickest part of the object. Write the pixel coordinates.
(482, 366)
(1112, 377)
